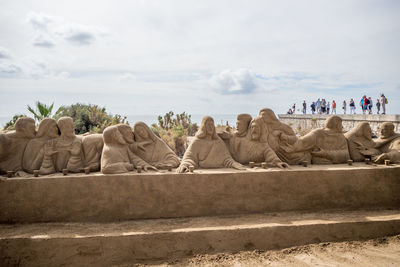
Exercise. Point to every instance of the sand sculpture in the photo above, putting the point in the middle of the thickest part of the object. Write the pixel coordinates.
(69, 147)
(388, 144)
(44, 141)
(55, 147)
(245, 144)
(13, 144)
(118, 155)
(360, 142)
(207, 150)
(278, 135)
(327, 145)
(92, 148)
(156, 152)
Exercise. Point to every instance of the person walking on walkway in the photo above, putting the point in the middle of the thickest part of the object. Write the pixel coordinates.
(304, 107)
(312, 107)
(370, 105)
(328, 107)
(319, 106)
(378, 106)
(333, 106)
(383, 103)
(344, 107)
(352, 106)
(323, 106)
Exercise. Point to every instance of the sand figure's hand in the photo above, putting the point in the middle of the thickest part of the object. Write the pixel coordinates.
(282, 165)
(182, 169)
(381, 158)
(238, 166)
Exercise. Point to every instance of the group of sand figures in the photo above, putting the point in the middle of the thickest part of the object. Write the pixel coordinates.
(54, 147)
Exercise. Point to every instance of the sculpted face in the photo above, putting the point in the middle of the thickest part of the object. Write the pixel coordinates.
(30, 129)
(141, 132)
(241, 126)
(127, 133)
(210, 128)
(255, 131)
(52, 131)
(386, 130)
(67, 128)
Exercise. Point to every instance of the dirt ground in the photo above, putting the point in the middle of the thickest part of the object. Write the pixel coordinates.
(376, 252)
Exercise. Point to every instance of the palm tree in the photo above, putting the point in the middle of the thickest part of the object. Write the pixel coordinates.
(42, 111)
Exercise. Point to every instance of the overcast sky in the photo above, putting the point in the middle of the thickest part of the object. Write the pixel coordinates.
(202, 57)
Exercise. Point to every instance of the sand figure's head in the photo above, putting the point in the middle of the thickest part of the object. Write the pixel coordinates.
(143, 132)
(66, 126)
(386, 130)
(207, 128)
(242, 124)
(268, 115)
(112, 136)
(334, 123)
(126, 132)
(26, 127)
(47, 129)
(256, 128)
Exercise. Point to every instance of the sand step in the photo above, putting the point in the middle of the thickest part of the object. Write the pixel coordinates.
(105, 244)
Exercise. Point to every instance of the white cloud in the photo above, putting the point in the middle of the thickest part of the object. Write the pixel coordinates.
(241, 81)
(50, 30)
(126, 77)
(4, 53)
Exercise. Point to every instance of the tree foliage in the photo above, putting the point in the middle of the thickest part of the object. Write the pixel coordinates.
(90, 118)
(42, 111)
(174, 130)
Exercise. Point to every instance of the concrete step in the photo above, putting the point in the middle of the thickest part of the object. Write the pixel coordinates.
(138, 241)
(107, 198)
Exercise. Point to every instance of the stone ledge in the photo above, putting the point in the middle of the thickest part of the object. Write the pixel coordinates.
(102, 198)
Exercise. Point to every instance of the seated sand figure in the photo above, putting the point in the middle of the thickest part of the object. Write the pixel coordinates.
(388, 144)
(92, 148)
(117, 155)
(245, 146)
(35, 150)
(277, 134)
(69, 147)
(360, 142)
(13, 144)
(327, 145)
(207, 150)
(156, 152)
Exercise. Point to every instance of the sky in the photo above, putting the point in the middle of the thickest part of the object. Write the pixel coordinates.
(202, 57)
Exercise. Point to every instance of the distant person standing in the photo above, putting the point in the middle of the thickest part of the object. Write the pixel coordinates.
(364, 104)
(319, 106)
(352, 106)
(333, 106)
(328, 108)
(294, 108)
(384, 101)
(378, 106)
(304, 107)
(370, 105)
(344, 106)
(312, 107)
(323, 105)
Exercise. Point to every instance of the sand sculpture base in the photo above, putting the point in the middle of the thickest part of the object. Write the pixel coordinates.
(102, 220)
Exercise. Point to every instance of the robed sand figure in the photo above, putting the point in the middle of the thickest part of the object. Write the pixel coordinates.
(35, 150)
(327, 145)
(13, 144)
(388, 144)
(360, 142)
(118, 155)
(278, 134)
(156, 152)
(245, 143)
(207, 150)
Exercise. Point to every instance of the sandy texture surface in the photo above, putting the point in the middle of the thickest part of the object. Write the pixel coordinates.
(376, 252)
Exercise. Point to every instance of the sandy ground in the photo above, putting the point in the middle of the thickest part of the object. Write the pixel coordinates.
(376, 252)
